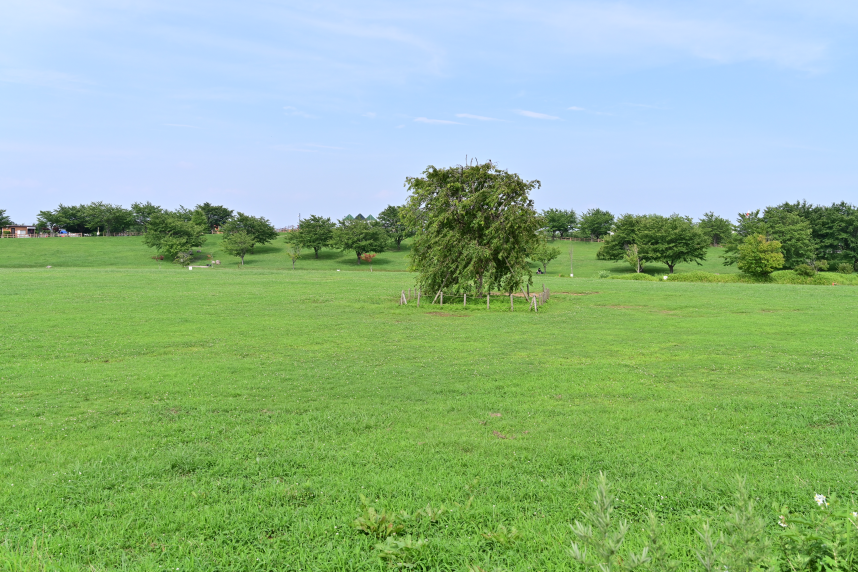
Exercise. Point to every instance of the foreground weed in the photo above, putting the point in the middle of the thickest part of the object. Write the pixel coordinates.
(825, 539)
(599, 540)
(381, 524)
(431, 514)
(401, 552)
(503, 536)
(747, 547)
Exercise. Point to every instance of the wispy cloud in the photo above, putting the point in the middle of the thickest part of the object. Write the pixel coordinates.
(181, 125)
(436, 121)
(296, 112)
(317, 146)
(477, 117)
(370, 114)
(535, 115)
(574, 108)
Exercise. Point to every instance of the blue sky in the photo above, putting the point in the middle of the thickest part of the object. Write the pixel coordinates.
(280, 108)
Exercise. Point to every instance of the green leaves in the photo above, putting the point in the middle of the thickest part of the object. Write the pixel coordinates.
(475, 226)
(360, 237)
(314, 232)
(758, 256)
(170, 236)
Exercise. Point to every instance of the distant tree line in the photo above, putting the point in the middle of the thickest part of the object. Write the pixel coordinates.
(105, 218)
(799, 236)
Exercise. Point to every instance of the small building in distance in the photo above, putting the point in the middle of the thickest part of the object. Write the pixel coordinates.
(18, 231)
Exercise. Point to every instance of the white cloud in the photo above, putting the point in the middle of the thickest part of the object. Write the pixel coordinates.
(573, 108)
(436, 121)
(535, 115)
(477, 117)
(369, 114)
(293, 111)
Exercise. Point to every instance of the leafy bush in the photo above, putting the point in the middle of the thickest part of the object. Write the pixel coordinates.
(844, 268)
(700, 276)
(604, 274)
(760, 257)
(804, 270)
(821, 265)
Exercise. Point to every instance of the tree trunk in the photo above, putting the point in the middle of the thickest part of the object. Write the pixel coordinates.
(242, 259)
(671, 267)
(317, 252)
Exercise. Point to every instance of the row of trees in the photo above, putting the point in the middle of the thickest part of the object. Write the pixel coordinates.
(790, 235)
(352, 235)
(174, 235)
(106, 218)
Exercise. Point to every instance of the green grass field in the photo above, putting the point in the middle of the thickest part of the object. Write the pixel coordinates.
(129, 252)
(224, 419)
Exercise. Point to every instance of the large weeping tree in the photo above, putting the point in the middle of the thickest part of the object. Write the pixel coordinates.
(475, 227)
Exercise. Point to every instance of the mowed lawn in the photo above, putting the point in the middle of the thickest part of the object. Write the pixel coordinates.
(231, 420)
(130, 252)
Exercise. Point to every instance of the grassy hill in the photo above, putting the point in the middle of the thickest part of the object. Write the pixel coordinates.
(129, 252)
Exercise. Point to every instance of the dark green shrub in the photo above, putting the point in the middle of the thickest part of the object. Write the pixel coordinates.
(805, 270)
(844, 268)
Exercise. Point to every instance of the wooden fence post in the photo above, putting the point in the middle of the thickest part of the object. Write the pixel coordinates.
(465, 301)
(488, 301)
(511, 307)
(418, 298)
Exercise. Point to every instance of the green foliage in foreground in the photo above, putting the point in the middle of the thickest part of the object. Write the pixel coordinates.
(225, 420)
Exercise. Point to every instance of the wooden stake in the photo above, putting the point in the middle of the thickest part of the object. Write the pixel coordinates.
(418, 298)
(488, 301)
(511, 307)
(465, 301)
(442, 298)
(436, 297)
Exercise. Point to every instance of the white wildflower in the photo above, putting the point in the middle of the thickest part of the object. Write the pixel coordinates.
(820, 500)
(782, 521)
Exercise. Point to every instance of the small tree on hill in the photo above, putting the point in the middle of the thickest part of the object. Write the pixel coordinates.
(238, 243)
(596, 223)
(259, 228)
(634, 258)
(360, 237)
(314, 232)
(4, 220)
(758, 256)
(169, 235)
(560, 222)
(625, 234)
(671, 240)
(294, 253)
(391, 219)
(545, 254)
(367, 257)
(142, 212)
(715, 228)
(215, 215)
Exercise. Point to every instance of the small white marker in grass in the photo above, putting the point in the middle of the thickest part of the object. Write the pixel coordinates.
(665, 277)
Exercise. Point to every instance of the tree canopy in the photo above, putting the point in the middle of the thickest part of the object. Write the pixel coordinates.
(215, 215)
(559, 221)
(314, 232)
(170, 235)
(259, 228)
(625, 234)
(596, 223)
(758, 256)
(238, 243)
(4, 220)
(143, 212)
(391, 219)
(360, 236)
(671, 240)
(475, 227)
(715, 228)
